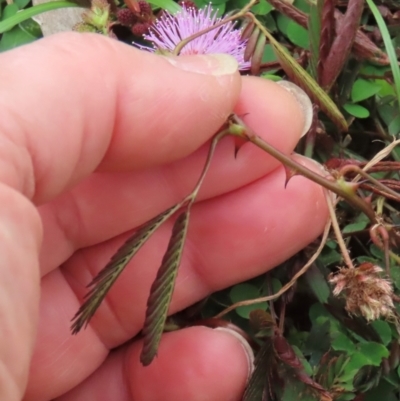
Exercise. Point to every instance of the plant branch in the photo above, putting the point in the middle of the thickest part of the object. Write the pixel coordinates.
(341, 188)
(338, 233)
(286, 286)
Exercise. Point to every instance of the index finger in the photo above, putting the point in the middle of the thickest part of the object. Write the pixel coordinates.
(177, 105)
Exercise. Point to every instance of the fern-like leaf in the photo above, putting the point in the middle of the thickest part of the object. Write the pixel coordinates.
(106, 278)
(259, 387)
(162, 289)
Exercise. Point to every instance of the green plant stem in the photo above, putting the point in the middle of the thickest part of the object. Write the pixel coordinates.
(23, 15)
(246, 133)
(376, 182)
(191, 197)
(288, 285)
(388, 46)
(338, 233)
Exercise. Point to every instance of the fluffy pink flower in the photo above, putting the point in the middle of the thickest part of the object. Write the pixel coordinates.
(168, 31)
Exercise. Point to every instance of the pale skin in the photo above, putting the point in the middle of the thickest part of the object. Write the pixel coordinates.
(96, 138)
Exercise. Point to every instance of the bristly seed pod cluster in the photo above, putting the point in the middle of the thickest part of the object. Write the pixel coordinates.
(367, 293)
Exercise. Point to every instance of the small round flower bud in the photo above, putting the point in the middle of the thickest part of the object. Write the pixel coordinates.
(145, 7)
(140, 28)
(126, 17)
(83, 27)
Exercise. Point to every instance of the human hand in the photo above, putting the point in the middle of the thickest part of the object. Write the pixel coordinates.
(96, 139)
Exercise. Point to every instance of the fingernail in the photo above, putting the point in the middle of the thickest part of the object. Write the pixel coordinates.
(306, 161)
(245, 345)
(209, 64)
(303, 100)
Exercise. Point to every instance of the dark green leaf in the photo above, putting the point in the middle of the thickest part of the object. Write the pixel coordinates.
(21, 3)
(244, 292)
(298, 35)
(106, 278)
(394, 126)
(329, 256)
(262, 8)
(356, 361)
(318, 284)
(384, 330)
(162, 289)
(14, 38)
(283, 22)
(395, 275)
(374, 352)
(31, 27)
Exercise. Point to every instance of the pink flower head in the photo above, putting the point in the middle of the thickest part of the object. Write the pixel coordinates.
(168, 31)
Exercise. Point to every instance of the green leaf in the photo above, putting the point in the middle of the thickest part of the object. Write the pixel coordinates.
(342, 343)
(168, 5)
(384, 330)
(363, 89)
(302, 5)
(262, 8)
(14, 38)
(394, 126)
(269, 55)
(375, 352)
(346, 397)
(354, 227)
(354, 364)
(283, 22)
(329, 256)
(103, 282)
(9, 11)
(162, 289)
(21, 3)
(298, 35)
(32, 28)
(271, 77)
(217, 3)
(30, 12)
(243, 292)
(317, 282)
(356, 110)
(395, 276)
(306, 365)
(386, 88)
